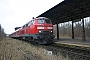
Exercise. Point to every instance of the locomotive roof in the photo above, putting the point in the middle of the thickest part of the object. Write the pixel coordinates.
(41, 18)
(33, 19)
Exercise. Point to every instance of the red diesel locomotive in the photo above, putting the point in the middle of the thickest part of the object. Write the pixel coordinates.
(39, 30)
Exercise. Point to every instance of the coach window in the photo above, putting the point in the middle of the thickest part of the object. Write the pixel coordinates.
(23, 26)
(29, 23)
(32, 21)
(17, 32)
(26, 25)
(20, 28)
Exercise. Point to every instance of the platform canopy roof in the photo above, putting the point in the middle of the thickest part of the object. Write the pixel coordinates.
(68, 10)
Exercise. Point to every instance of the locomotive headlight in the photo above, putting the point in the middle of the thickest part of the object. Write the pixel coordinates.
(39, 31)
(51, 31)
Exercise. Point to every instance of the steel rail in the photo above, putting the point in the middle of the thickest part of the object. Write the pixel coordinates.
(69, 50)
(10, 55)
(4, 53)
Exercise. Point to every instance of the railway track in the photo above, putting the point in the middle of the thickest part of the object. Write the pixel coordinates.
(10, 51)
(4, 53)
(10, 54)
(7, 57)
(73, 53)
(67, 52)
(27, 55)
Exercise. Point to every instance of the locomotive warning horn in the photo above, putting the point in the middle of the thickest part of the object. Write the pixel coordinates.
(33, 18)
(16, 28)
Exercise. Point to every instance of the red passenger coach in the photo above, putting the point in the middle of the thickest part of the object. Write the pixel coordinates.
(39, 30)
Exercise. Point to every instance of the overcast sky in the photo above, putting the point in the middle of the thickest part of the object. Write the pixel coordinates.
(15, 13)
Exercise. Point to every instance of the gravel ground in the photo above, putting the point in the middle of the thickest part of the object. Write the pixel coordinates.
(21, 50)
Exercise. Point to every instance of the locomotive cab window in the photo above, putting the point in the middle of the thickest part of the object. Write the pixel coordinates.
(41, 21)
(47, 21)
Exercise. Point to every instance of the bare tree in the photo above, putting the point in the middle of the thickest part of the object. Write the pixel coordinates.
(65, 29)
(2, 33)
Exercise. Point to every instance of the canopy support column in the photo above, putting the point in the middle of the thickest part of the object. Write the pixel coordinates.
(57, 31)
(83, 31)
(72, 31)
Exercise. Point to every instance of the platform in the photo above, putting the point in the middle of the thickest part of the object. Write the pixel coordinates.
(74, 42)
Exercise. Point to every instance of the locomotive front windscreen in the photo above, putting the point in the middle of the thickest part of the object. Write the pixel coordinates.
(48, 21)
(41, 21)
